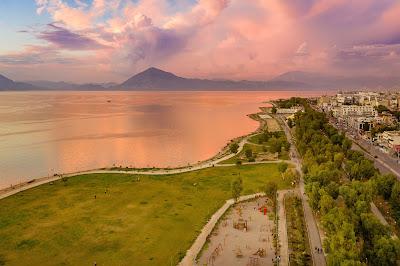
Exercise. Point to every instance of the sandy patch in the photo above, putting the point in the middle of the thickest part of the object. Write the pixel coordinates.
(231, 246)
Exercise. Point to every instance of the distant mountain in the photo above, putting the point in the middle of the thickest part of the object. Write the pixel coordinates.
(61, 85)
(156, 79)
(324, 81)
(8, 84)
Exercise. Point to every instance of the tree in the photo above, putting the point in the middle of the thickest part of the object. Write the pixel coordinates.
(234, 147)
(249, 153)
(386, 251)
(273, 110)
(395, 200)
(346, 144)
(384, 185)
(290, 122)
(237, 187)
(326, 203)
(338, 159)
(270, 189)
(282, 166)
(275, 145)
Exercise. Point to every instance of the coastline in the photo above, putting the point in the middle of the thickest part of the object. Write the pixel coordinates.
(222, 155)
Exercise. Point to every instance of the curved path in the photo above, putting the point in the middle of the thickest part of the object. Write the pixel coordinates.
(205, 164)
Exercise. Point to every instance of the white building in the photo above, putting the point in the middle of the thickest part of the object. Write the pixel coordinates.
(292, 110)
(389, 140)
(355, 110)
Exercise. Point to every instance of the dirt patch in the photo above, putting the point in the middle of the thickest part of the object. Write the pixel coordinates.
(243, 237)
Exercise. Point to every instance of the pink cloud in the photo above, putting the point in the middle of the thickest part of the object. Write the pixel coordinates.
(226, 38)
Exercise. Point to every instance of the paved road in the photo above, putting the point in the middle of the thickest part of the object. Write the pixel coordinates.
(313, 233)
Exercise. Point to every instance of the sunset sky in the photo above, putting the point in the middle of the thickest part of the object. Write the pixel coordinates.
(110, 40)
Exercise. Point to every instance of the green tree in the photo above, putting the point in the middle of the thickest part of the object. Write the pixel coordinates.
(346, 144)
(234, 147)
(395, 200)
(290, 122)
(384, 185)
(282, 166)
(326, 203)
(237, 187)
(273, 110)
(386, 251)
(338, 159)
(249, 153)
(270, 189)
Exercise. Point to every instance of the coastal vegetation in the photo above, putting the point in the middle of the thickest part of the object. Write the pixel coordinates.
(341, 183)
(288, 103)
(265, 146)
(114, 218)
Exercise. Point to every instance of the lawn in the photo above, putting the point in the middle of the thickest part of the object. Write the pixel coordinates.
(134, 219)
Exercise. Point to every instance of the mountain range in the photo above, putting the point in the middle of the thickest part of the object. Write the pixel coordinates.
(156, 79)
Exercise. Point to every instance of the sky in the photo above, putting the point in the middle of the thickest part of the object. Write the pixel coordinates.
(110, 40)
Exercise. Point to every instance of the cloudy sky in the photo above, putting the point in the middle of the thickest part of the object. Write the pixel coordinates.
(109, 40)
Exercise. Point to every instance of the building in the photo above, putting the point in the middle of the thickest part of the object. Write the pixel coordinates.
(291, 110)
(361, 123)
(389, 141)
(355, 110)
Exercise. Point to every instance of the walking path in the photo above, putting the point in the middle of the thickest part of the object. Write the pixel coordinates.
(198, 244)
(378, 214)
(202, 165)
(282, 227)
(380, 217)
(312, 229)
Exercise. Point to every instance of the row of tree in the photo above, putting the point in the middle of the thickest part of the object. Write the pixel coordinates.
(341, 184)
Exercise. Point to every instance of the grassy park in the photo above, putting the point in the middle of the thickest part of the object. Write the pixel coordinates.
(117, 219)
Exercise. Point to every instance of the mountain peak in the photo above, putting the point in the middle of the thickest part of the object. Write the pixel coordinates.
(151, 77)
(4, 78)
(153, 71)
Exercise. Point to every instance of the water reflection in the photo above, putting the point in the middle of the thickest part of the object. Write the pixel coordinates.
(42, 133)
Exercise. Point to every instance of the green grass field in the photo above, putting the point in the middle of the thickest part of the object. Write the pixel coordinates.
(148, 222)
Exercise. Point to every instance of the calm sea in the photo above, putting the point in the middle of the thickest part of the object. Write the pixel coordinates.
(42, 133)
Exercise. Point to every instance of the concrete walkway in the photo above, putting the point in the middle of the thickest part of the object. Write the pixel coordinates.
(378, 214)
(282, 227)
(4, 193)
(198, 244)
(311, 224)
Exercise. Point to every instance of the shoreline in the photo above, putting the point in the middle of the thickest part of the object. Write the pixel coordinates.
(221, 155)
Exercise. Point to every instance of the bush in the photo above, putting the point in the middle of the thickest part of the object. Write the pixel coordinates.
(234, 147)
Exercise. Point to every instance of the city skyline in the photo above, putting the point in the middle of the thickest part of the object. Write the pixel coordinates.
(76, 40)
